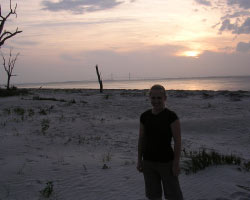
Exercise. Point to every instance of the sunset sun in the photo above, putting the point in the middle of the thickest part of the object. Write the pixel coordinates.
(194, 54)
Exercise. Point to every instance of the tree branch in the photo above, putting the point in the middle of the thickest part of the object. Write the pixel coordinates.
(4, 33)
(13, 62)
(3, 59)
(9, 65)
(9, 36)
(4, 62)
(3, 20)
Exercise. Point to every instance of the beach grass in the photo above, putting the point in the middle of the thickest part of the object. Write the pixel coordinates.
(199, 160)
(48, 190)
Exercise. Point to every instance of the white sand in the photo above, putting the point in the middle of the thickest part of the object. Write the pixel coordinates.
(103, 129)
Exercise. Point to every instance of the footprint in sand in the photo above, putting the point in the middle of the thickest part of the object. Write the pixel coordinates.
(240, 195)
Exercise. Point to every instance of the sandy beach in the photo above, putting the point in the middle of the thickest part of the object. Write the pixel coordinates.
(82, 145)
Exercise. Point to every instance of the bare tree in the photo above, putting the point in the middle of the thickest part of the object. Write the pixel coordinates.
(9, 66)
(4, 35)
(99, 78)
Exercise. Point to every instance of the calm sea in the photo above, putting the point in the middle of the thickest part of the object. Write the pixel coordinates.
(207, 83)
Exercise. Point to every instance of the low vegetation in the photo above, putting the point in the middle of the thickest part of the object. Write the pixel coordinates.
(24, 113)
(13, 92)
(45, 123)
(247, 166)
(48, 190)
(68, 103)
(106, 157)
(202, 159)
(47, 99)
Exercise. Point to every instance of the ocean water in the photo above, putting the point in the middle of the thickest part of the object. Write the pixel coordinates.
(206, 83)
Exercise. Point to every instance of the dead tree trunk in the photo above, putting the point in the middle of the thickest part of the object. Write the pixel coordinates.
(8, 67)
(99, 78)
(4, 35)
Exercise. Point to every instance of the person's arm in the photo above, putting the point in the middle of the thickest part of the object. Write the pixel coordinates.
(140, 141)
(176, 132)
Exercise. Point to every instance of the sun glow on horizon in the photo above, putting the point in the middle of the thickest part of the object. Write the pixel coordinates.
(194, 54)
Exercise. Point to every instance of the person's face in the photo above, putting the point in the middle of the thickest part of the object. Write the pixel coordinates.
(158, 99)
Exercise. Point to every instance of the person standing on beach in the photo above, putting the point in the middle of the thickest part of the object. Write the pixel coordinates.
(158, 161)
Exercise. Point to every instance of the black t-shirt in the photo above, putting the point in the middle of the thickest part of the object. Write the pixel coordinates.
(158, 135)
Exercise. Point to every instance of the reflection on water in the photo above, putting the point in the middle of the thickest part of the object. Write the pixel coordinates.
(216, 83)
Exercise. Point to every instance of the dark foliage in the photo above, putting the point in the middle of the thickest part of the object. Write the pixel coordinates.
(13, 92)
(202, 159)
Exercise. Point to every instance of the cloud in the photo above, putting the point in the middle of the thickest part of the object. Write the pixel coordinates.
(236, 14)
(26, 43)
(215, 25)
(243, 47)
(79, 6)
(226, 25)
(203, 2)
(241, 3)
(81, 23)
(244, 28)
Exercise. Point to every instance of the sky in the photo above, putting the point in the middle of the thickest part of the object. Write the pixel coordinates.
(63, 40)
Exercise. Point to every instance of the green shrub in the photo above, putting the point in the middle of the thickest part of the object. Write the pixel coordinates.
(69, 103)
(247, 166)
(42, 111)
(46, 110)
(107, 96)
(45, 125)
(7, 111)
(19, 111)
(72, 101)
(202, 159)
(48, 190)
(30, 112)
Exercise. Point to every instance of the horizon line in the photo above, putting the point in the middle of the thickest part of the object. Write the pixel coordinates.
(134, 79)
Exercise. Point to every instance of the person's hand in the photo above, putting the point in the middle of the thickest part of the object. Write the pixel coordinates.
(176, 168)
(139, 166)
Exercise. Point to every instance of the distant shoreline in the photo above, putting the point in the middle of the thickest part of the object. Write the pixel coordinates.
(133, 79)
(171, 92)
(230, 83)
